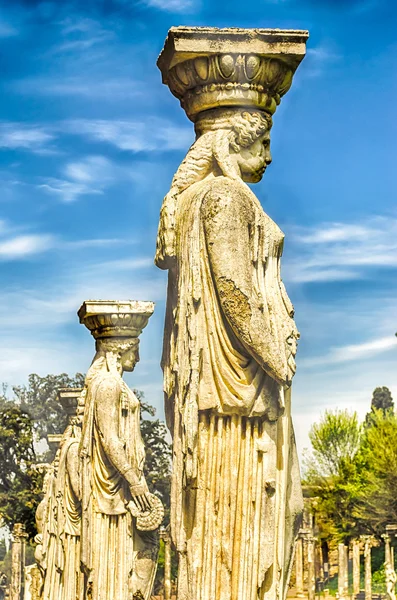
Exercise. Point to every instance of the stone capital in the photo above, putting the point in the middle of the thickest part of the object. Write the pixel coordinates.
(68, 398)
(207, 67)
(18, 532)
(115, 318)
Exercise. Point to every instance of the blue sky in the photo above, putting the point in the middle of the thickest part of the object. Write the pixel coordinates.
(90, 139)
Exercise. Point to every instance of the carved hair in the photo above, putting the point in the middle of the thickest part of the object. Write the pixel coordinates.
(217, 132)
(115, 345)
(108, 352)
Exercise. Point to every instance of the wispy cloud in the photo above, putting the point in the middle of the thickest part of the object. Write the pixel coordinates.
(24, 245)
(352, 352)
(317, 61)
(67, 191)
(145, 135)
(172, 5)
(25, 137)
(136, 136)
(81, 34)
(76, 85)
(88, 176)
(343, 251)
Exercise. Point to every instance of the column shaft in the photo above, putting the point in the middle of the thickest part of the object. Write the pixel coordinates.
(356, 567)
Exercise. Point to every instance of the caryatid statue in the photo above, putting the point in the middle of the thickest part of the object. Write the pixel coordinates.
(119, 516)
(230, 337)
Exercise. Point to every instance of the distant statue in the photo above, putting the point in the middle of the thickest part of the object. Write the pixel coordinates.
(230, 338)
(391, 580)
(46, 538)
(119, 516)
(58, 520)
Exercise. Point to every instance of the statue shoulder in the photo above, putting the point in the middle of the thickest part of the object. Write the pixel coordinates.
(109, 385)
(229, 195)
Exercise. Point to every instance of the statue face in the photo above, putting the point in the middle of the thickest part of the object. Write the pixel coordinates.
(129, 358)
(254, 159)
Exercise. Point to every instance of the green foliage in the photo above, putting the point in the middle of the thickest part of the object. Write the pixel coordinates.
(335, 441)
(39, 400)
(158, 455)
(381, 400)
(351, 476)
(20, 483)
(377, 505)
(332, 476)
(33, 413)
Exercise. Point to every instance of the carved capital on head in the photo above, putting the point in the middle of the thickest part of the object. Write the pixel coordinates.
(207, 68)
(115, 318)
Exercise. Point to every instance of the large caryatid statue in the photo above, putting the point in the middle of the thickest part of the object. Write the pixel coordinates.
(230, 337)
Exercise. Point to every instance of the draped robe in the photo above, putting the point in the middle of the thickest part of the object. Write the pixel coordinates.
(116, 558)
(236, 496)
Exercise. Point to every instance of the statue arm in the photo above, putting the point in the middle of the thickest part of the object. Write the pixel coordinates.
(107, 415)
(227, 217)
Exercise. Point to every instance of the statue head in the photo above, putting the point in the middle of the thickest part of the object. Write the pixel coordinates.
(121, 353)
(240, 141)
(231, 142)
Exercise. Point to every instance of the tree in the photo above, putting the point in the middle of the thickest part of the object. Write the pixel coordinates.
(20, 482)
(377, 503)
(39, 400)
(381, 400)
(34, 412)
(332, 478)
(158, 455)
(335, 440)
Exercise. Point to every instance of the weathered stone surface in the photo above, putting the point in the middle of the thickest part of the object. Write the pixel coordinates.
(97, 522)
(17, 561)
(230, 337)
(206, 67)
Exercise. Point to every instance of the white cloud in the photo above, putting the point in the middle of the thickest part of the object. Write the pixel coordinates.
(24, 245)
(136, 136)
(18, 135)
(86, 87)
(67, 191)
(90, 169)
(342, 251)
(317, 61)
(81, 34)
(172, 5)
(90, 175)
(352, 352)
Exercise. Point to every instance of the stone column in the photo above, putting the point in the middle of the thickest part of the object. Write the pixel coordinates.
(299, 568)
(342, 568)
(311, 583)
(346, 571)
(356, 567)
(387, 540)
(367, 567)
(17, 561)
(166, 537)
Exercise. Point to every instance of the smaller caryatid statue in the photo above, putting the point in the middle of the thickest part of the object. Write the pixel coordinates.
(58, 516)
(120, 517)
(46, 538)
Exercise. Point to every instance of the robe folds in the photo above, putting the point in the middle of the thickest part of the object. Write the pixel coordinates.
(117, 560)
(236, 495)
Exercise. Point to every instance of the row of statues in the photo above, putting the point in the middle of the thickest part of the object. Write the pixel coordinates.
(228, 359)
(97, 522)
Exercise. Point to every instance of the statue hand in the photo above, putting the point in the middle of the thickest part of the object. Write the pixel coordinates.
(140, 497)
